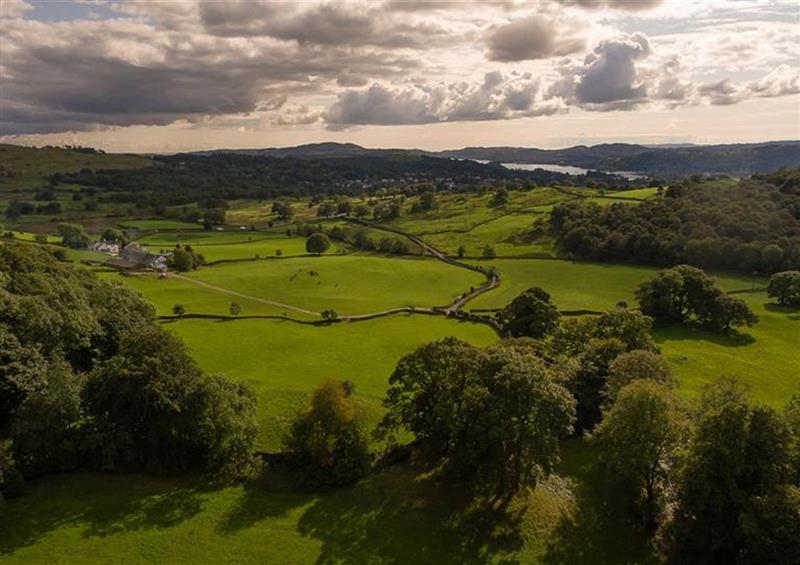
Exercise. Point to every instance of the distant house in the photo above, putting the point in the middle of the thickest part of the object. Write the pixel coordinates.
(103, 246)
(134, 256)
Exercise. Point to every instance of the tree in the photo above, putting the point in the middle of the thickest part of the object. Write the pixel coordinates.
(283, 210)
(318, 243)
(588, 379)
(344, 207)
(191, 419)
(330, 315)
(785, 287)
(531, 314)
(46, 436)
(73, 236)
(326, 439)
(687, 294)
(235, 308)
(499, 198)
(461, 251)
(488, 252)
(179, 310)
(737, 467)
(493, 417)
(326, 209)
(361, 211)
(22, 372)
(636, 365)
(182, 259)
(639, 436)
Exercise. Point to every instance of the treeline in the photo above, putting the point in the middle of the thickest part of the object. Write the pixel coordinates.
(181, 179)
(186, 178)
(752, 226)
(88, 380)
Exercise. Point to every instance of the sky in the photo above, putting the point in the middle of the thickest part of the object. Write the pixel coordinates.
(153, 76)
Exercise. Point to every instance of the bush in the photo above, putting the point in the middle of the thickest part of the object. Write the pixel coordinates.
(318, 243)
(327, 441)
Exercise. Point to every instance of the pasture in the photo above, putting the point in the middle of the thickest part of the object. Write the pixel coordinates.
(232, 245)
(284, 360)
(350, 284)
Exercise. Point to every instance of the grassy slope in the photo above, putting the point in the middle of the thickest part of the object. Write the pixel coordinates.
(40, 162)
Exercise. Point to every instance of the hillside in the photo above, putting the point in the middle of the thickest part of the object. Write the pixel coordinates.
(42, 161)
(739, 159)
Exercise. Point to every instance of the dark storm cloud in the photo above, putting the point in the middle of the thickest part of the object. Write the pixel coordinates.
(534, 37)
(324, 24)
(130, 74)
(630, 5)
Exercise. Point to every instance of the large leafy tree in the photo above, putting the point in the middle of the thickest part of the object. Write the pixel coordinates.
(149, 399)
(493, 417)
(531, 314)
(785, 287)
(639, 436)
(635, 365)
(737, 477)
(687, 294)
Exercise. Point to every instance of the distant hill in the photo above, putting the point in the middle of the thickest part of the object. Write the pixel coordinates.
(328, 150)
(668, 160)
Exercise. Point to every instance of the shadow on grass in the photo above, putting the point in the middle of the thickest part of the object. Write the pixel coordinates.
(599, 531)
(396, 518)
(268, 497)
(391, 517)
(689, 333)
(101, 505)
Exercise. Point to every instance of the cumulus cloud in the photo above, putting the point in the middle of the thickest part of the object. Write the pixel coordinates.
(608, 78)
(534, 37)
(721, 93)
(780, 82)
(14, 8)
(497, 97)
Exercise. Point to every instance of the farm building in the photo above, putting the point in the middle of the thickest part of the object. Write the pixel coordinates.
(134, 256)
(104, 246)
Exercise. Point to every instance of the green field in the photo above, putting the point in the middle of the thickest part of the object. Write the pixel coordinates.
(284, 360)
(159, 224)
(233, 245)
(351, 284)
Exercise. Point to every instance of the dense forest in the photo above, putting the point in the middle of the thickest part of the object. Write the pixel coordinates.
(752, 226)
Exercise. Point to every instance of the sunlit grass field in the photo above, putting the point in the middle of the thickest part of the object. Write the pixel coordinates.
(350, 284)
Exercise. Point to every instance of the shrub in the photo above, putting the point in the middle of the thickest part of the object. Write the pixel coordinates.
(326, 439)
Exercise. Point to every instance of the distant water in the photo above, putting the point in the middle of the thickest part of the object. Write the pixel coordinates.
(567, 169)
